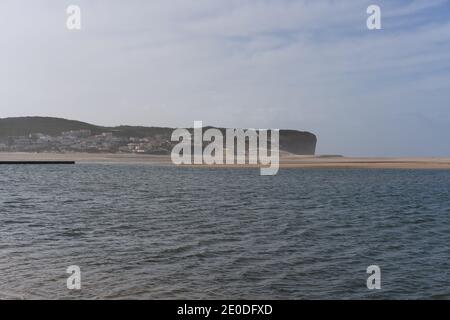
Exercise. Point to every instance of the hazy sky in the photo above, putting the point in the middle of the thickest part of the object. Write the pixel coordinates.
(307, 65)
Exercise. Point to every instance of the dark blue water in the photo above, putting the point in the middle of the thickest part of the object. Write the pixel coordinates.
(165, 232)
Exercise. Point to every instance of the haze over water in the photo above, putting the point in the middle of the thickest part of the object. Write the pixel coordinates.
(140, 231)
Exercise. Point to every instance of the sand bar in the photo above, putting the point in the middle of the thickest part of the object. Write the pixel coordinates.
(286, 160)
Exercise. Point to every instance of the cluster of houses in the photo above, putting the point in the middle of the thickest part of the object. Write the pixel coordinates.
(85, 141)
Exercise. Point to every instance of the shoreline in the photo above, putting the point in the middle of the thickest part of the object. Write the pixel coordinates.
(286, 161)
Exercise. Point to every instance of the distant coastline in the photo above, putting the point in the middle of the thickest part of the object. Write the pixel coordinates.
(47, 134)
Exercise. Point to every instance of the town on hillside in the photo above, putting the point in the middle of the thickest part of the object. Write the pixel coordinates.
(85, 141)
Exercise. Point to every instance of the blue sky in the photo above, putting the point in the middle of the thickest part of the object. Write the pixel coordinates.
(307, 65)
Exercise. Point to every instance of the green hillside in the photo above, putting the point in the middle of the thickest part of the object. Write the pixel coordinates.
(23, 126)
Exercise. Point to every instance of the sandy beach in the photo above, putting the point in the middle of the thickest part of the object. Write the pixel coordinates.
(286, 160)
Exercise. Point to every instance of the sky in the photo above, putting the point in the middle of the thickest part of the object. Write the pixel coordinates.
(309, 65)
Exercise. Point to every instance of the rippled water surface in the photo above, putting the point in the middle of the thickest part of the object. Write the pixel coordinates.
(140, 231)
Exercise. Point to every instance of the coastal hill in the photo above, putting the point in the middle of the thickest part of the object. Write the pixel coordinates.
(23, 126)
(293, 141)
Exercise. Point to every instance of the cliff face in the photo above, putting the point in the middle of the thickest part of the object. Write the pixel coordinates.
(296, 142)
